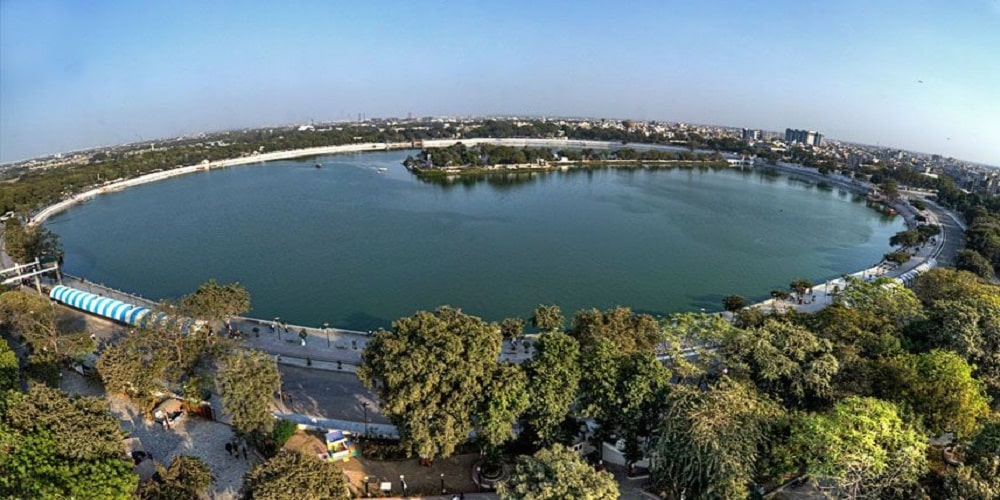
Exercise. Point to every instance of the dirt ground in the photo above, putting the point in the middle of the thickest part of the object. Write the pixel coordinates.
(420, 480)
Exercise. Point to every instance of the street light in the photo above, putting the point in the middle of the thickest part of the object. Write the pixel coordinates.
(479, 480)
(277, 321)
(326, 326)
(442, 484)
(402, 479)
(366, 487)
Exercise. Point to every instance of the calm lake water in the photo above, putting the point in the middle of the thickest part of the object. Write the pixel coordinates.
(358, 248)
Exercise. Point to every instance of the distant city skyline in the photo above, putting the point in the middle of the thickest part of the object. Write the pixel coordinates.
(920, 76)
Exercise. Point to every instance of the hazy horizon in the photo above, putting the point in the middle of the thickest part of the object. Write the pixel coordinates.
(919, 76)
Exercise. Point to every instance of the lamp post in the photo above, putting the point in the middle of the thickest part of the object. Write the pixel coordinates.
(402, 480)
(479, 480)
(366, 487)
(442, 484)
(364, 407)
(326, 326)
(277, 321)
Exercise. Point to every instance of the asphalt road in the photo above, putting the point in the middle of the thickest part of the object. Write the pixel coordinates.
(328, 394)
(952, 229)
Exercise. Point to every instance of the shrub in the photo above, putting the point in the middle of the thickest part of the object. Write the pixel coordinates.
(283, 431)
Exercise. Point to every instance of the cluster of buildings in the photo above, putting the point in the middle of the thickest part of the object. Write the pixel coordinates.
(807, 137)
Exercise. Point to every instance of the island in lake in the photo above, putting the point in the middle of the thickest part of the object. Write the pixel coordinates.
(460, 159)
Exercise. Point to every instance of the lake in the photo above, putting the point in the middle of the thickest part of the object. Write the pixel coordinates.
(358, 247)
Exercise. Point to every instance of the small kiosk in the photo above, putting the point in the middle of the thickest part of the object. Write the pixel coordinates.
(339, 447)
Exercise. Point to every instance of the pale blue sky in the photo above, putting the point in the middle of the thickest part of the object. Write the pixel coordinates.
(79, 74)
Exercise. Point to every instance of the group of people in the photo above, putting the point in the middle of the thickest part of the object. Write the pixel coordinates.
(234, 449)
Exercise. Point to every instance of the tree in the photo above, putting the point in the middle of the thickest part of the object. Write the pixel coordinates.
(553, 378)
(512, 328)
(9, 368)
(974, 262)
(939, 387)
(710, 442)
(547, 318)
(506, 399)
(294, 476)
(26, 243)
(971, 327)
(248, 380)
(53, 446)
(186, 477)
(556, 473)
(431, 374)
(215, 302)
(33, 319)
(862, 446)
(630, 332)
(942, 283)
(883, 298)
(800, 286)
(733, 303)
(784, 360)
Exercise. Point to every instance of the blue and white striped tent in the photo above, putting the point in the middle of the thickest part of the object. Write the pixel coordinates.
(101, 306)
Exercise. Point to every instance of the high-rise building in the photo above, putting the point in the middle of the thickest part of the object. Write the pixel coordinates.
(808, 137)
(750, 135)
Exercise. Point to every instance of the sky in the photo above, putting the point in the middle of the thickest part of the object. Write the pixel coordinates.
(922, 76)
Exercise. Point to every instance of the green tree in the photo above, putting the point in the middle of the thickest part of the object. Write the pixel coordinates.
(710, 442)
(248, 380)
(974, 262)
(883, 298)
(9, 368)
(186, 477)
(553, 379)
(26, 243)
(970, 327)
(215, 302)
(691, 341)
(431, 374)
(862, 446)
(630, 332)
(939, 387)
(34, 319)
(294, 476)
(556, 473)
(53, 446)
(506, 399)
(547, 318)
(784, 360)
(733, 303)
(512, 328)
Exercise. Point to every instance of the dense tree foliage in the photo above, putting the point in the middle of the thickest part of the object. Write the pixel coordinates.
(35, 320)
(974, 262)
(432, 373)
(939, 387)
(862, 446)
(249, 380)
(26, 243)
(547, 318)
(709, 442)
(506, 399)
(630, 332)
(54, 446)
(9, 368)
(216, 302)
(554, 375)
(186, 477)
(556, 473)
(294, 476)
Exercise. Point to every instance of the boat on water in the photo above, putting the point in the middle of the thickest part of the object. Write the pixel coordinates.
(383, 170)
(319, 165)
